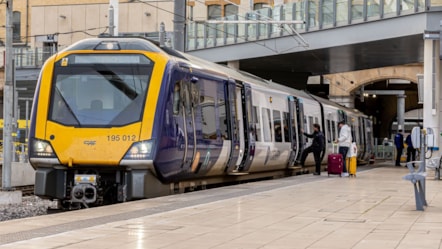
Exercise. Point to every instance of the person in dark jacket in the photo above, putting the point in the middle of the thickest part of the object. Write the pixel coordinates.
(411, 151)
(399, 143)
(316, 147)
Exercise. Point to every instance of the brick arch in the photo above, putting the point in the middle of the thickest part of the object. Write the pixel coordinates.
(344, 84)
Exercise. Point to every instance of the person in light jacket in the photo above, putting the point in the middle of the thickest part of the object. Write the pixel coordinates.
(344, 142)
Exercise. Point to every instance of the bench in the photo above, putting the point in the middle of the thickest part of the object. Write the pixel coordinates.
(417, 177)
(434, 163)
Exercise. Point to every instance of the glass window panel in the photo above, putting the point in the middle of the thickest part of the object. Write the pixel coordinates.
(327, 12)
(222, 116)
(231, 29)
(286, 127)
(299, 14)
(390, 6)
(122, 90)
(264, 14)
(407, 6)
(252, 28)
(341, 11)
(208, 117)
(313, 13)
(16, 26)
(230, 9)
(278, 15)
(277, 125)
(373, 8)
(357, 9)
(213, 11)
(258, 123)
(266, 125)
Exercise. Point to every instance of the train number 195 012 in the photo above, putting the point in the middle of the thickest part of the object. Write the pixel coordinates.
(117, 138)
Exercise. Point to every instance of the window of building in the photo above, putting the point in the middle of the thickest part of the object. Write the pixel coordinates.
(16, 25)
(230, 10)
(214, 11)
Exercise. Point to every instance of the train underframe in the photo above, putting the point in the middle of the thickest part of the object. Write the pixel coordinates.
(76, 188)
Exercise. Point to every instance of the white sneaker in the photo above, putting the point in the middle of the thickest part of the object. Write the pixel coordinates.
(345, 174)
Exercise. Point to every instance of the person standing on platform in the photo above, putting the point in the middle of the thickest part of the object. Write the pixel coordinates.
(344, 142)
(411, 151)
(316, 147)
(399, 143)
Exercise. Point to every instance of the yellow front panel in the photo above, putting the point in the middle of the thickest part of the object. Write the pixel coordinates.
(91, 145)
(97, 145)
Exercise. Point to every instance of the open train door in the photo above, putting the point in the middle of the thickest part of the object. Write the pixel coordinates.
(188, 97)
(248, 132)
(234, 126)
(295, 113)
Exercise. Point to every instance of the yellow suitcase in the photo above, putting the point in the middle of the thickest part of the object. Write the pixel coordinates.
(351, 165)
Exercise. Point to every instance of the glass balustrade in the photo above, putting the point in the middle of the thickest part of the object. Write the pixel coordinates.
(315, 15)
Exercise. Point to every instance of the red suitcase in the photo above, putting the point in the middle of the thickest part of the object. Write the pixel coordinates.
(335, 163)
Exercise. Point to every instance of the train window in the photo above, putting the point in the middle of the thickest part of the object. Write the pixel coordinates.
(258, 123)
(121, 88)
(286, 127)
(266, 125)
(176, 98)
(277, 125)
(330, 133)
(334, 130)
(310, 123)
(222, 117)
(208, 118)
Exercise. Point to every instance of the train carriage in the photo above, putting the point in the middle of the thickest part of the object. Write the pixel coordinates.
(117, 119)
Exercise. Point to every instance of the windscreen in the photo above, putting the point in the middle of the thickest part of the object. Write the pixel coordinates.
(99, 90)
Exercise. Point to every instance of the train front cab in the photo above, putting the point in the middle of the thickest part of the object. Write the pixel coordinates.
(91, 134)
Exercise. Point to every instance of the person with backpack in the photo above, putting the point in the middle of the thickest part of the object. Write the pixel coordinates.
(316, 147)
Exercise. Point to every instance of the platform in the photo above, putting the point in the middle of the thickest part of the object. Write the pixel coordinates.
(376, 209)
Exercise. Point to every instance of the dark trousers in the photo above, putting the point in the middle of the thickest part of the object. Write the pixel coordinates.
(343, 151)
(398, 156)
(411, 154)
(316, 154)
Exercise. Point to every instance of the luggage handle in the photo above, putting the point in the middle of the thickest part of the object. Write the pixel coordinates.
(335, 145)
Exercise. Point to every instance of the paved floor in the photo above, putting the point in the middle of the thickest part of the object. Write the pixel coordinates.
(374, 210)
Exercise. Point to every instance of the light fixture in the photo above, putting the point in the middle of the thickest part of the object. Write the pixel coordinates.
(147, 13)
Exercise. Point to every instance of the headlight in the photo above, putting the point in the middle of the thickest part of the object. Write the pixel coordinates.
(41, 148)
(140, 150)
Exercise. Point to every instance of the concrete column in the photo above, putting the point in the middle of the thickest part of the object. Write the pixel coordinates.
(233, 64)
(431, 110)
(401, 112)
(347, 101)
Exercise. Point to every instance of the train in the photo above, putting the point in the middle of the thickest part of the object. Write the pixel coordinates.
(116, 119)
